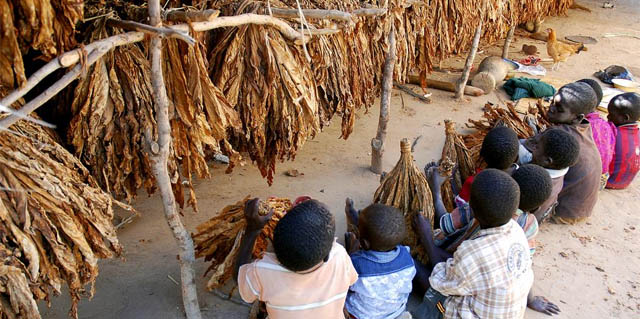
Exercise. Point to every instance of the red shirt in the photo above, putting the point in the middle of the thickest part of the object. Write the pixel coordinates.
(626, 157)
(465, 192)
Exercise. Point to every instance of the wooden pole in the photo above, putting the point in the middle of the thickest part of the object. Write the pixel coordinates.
(507, 42)
(159, 154)
(327, 14)
(462, 82)
(377, 143)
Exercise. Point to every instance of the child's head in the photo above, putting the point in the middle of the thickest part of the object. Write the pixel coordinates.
(597, 89)
(494, 198)
(624, 109)
(381, 227)
(553, 149)
(535, 186)
(304, 236)
(571, 103)
(500, 147)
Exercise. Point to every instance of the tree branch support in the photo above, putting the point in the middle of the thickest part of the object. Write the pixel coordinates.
(159, 159)
(377, 143)
(462, 82)
(144, 28)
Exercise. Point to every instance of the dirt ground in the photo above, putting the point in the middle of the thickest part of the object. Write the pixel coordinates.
(589, 270)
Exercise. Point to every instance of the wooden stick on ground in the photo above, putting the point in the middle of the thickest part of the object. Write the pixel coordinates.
(507, 42)
(445, 85)
(462, 82)
(159, 160)
(409, 91)
(377, 143)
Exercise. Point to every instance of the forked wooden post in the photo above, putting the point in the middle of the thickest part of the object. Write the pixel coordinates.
(159, 154)
(377, 143)
(462, 82)
(507, 42)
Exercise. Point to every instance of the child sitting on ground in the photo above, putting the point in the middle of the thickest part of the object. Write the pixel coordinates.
(308, 276)
(603, 134)
(458, 225)
(556, 151)
(489, 275)
(499, 150)
(385, 267)
(579, 193)
(624, 112)
(535, 186)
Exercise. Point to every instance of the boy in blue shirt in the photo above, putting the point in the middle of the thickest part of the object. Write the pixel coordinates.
(385, 267)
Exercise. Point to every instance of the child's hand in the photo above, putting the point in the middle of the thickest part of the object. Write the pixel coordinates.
(434, 178)
(422, 225)
(351, 242)
(541, 304)
(255, 221)
(351, 212)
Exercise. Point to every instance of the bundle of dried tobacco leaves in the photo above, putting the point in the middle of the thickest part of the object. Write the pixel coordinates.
(405, 187)
(113, 116)
(34, 30)
(55, 222)
(525, 126)
(218, 239)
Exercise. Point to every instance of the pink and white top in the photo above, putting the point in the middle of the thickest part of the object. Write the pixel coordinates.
(604, 135)
(318, 294)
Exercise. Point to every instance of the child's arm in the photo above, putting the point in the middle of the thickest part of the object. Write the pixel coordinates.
(423, 230)
(435, 183)
(255, 223)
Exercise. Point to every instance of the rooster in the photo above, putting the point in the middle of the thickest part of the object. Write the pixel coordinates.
(560, 51)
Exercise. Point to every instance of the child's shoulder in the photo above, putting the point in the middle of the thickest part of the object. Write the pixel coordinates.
(375, 263)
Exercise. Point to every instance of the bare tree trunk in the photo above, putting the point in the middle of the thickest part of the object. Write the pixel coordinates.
(159, 157)
(507, 42)
(377, 143)
(462, 82)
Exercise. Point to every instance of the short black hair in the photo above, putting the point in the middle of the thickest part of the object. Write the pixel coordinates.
(535, 186)
(383, 226)
(494, 197)
(500, 147)
(597, 89)
(627, 103)
(578, 97)
(561, 147)
(304, 236)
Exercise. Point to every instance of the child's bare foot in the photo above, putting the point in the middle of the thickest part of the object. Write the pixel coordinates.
(428, 167)
(541, 304)
(351, 212)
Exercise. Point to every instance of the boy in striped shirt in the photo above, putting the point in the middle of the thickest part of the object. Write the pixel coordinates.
(624, 112)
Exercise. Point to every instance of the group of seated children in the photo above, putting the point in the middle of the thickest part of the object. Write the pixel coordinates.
(617, 138)
(479, 254)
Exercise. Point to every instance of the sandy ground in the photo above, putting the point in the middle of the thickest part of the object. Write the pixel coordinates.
(589, 270)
